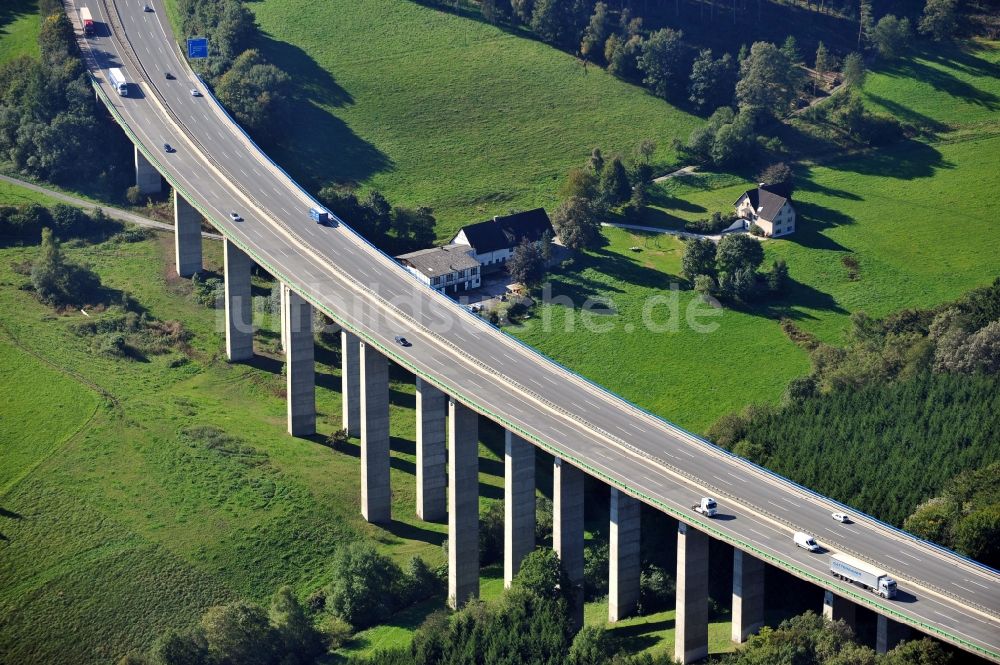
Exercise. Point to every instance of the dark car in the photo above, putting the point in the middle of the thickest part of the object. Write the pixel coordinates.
(147, 8)
(168, 76)
(168, 148)
(402, 341)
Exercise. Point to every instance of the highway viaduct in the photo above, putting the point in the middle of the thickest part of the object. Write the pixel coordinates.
(465, 369)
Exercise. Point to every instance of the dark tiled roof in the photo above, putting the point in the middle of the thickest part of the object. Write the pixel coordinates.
(438, 261)
(767, 201)
(508, 231)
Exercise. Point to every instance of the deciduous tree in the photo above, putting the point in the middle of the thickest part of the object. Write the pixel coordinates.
(662, 62)
(939, 19)
(577, 222)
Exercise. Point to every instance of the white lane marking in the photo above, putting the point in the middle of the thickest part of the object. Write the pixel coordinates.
(762, 535)
(684, 452)
(964, 588)
(970, 616)
(889, 556)
(915, 558)
(973, 582)
(777, 505)
(789, 501)
(739, 478)
(721, 480)
(946, 616)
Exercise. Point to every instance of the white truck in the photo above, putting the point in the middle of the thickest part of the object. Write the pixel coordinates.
(805, 541)
(707, 507)
(845, 567)
(118, 82)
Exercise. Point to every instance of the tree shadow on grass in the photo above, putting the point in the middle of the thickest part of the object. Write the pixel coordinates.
(947, 82)
(927, 125)
(10, 514)
(798, 295)
(11, 10)
(325, 148)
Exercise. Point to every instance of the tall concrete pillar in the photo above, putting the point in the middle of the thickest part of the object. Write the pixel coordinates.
(187, 237)
(519, 504)
(239, 303)
(300, 363)
(889, 633)
(623, 560)
(691, 636)
(463, 504)
(748, 595)
(282, 292)
(376, 496)
(432, 456)
(350, 382)
(147, 178)
(836, 608)
(567, 528)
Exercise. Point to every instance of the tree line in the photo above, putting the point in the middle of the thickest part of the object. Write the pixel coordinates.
(884, 422)
(50, 127)
(251, 88)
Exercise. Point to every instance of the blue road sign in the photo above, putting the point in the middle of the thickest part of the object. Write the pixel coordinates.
(197, 47)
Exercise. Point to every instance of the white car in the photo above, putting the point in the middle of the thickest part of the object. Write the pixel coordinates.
(195, 92)
(236, 217)
(843, 518)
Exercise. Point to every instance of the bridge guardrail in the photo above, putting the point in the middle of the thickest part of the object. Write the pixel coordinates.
(621, 443)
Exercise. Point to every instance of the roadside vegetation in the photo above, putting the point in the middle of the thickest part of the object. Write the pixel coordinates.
(912, 396)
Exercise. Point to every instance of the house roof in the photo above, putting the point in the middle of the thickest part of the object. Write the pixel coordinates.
(508, 231)
(766, 200)
(438, 261)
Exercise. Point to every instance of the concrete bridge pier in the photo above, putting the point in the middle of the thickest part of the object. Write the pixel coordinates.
(376, 496)
(239, 303)
(567, 529)
(463, 504)
(889, 633)
(300, 369)
(519, 504)
(147, 178)
(187, 237)
(748, 595)
(836, 608)
(691, 636)
(432, 456)
(623, 556)
(350, 382)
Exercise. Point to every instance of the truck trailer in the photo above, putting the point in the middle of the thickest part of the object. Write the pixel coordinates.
(87, 20)
(858, 572)
(118, 82)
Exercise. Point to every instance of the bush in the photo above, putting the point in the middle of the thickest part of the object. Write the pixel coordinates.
(656, 590)
(366, 586)
(711, 225)
(491, 527)
(595, 571)
(57, 281)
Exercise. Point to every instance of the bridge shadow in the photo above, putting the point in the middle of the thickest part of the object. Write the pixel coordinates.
(317, 146)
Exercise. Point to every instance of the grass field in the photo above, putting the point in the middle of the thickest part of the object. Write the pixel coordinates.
(117, 524)
(691, 377)
(434, 109)
(19, 26)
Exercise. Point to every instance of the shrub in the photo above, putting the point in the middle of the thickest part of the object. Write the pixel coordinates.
(59, 282)
(656, 589)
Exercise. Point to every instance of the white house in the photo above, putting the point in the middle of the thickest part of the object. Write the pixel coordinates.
(492, 242)
(769, 207)
(447, 269)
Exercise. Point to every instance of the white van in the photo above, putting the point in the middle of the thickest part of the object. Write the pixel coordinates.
(806, 542)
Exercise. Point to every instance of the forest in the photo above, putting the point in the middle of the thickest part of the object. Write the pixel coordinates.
(886, 422)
